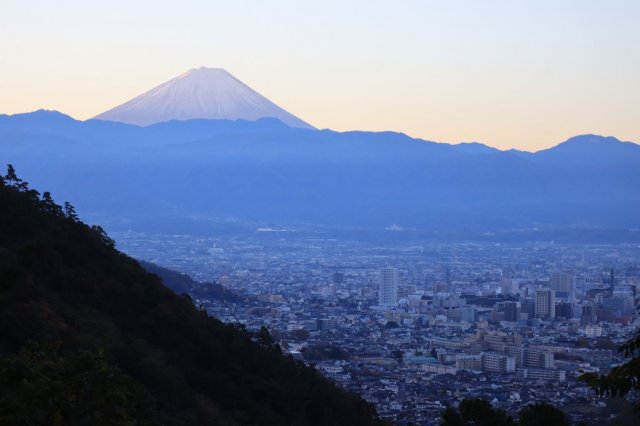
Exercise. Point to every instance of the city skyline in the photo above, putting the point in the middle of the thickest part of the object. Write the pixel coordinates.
(524, 76)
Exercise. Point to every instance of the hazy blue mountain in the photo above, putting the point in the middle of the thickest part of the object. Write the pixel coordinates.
(591, 151)
(474, 148)
(203, 175)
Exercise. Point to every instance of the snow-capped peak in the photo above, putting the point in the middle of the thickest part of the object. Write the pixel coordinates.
(209, 93)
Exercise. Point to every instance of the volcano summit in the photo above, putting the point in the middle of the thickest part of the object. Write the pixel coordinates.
(200, 93)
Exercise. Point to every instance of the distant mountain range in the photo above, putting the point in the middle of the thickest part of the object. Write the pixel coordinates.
(214, 154)
(206, 175)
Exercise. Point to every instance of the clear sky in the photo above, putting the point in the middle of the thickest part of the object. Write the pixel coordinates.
(523, 74)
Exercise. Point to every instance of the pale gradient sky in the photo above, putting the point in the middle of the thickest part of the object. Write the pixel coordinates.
(523, 74)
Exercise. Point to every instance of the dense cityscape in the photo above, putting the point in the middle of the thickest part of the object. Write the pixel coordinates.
(414, 326)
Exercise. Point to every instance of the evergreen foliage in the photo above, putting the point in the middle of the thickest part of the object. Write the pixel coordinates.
(622, 379)
(479, 412)
(183, 283)
(324, 352)
(542, 415)
(476, 411)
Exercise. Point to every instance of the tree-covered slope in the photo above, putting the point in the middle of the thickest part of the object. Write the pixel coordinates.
(88, 337)
(183, 283)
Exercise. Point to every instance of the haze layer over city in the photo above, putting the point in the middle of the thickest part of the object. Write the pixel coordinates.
(429, 206)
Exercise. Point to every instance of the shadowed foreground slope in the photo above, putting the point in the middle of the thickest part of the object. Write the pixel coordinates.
(88, 337)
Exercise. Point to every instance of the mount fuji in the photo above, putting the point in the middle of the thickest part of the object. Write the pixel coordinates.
(200, 93)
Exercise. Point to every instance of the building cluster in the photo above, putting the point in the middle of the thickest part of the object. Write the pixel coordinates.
(415, 327)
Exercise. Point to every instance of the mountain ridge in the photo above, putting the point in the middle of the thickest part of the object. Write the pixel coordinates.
(265, 173)
(41, 117)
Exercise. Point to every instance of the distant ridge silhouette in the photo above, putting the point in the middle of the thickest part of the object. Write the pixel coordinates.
(197, 175)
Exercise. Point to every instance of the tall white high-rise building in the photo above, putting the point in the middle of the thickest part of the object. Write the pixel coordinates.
(508, 286)
(564, 284)
(545, 303)
(388, 290)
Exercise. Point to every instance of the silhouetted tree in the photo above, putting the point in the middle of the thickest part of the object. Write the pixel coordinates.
(299, 334)
(70, 211)
(12, 179)
(623, 378)
(49, 205)
(11, 176)
(240, 327)
(476, 411)
(102, 235)
(542, 414)
(451, 417)
(263, 337)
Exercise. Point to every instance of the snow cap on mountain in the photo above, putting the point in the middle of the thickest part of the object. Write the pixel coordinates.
(200, 93)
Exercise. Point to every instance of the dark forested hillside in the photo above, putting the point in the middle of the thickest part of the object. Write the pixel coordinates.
(89, 337)
(183, 283)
